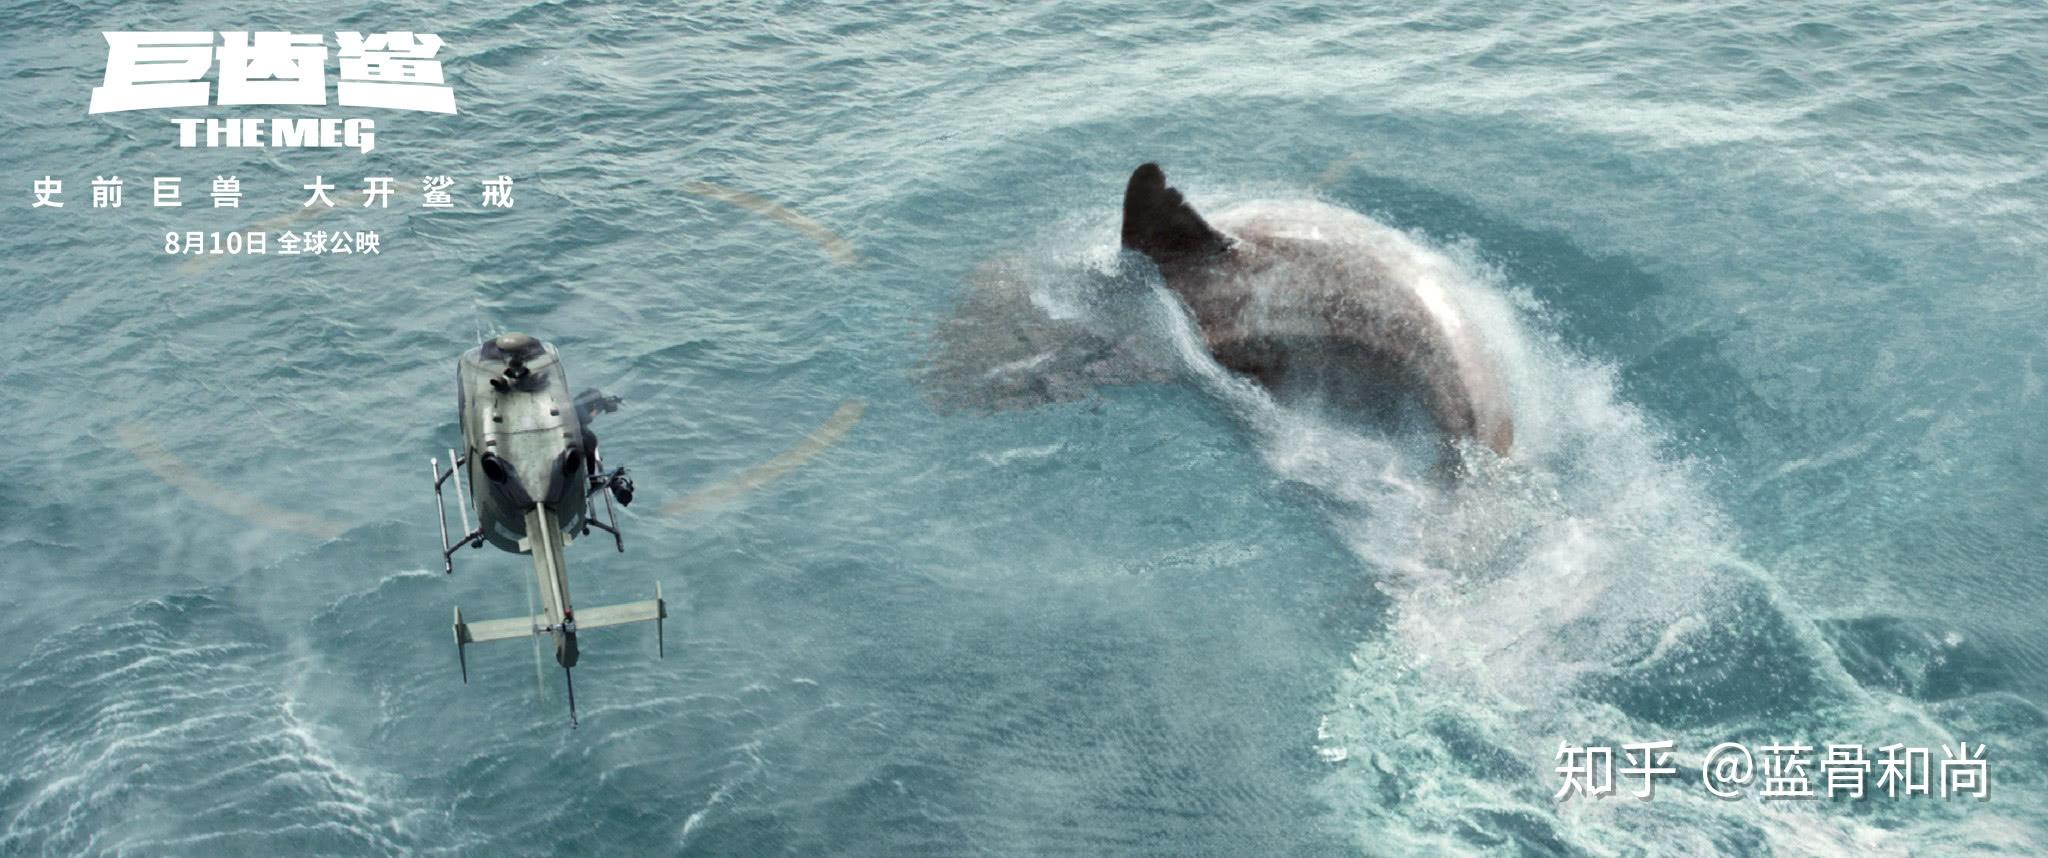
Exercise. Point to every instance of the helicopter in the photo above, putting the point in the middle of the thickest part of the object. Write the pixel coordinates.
(531, 468)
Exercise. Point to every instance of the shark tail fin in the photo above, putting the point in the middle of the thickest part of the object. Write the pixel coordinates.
(1159, 223)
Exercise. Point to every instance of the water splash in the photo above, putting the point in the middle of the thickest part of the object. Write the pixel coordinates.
(1586, 589)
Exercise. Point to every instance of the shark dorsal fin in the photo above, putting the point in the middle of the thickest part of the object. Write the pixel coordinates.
(1159, 223)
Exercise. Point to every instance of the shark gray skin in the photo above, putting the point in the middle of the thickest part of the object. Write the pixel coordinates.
(1302, 295)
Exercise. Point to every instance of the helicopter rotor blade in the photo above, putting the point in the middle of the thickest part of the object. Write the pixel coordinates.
(816, 442)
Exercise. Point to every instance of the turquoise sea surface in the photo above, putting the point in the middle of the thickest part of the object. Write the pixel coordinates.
(1766, 281)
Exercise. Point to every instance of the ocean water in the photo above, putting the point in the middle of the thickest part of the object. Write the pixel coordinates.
(1765, 281)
